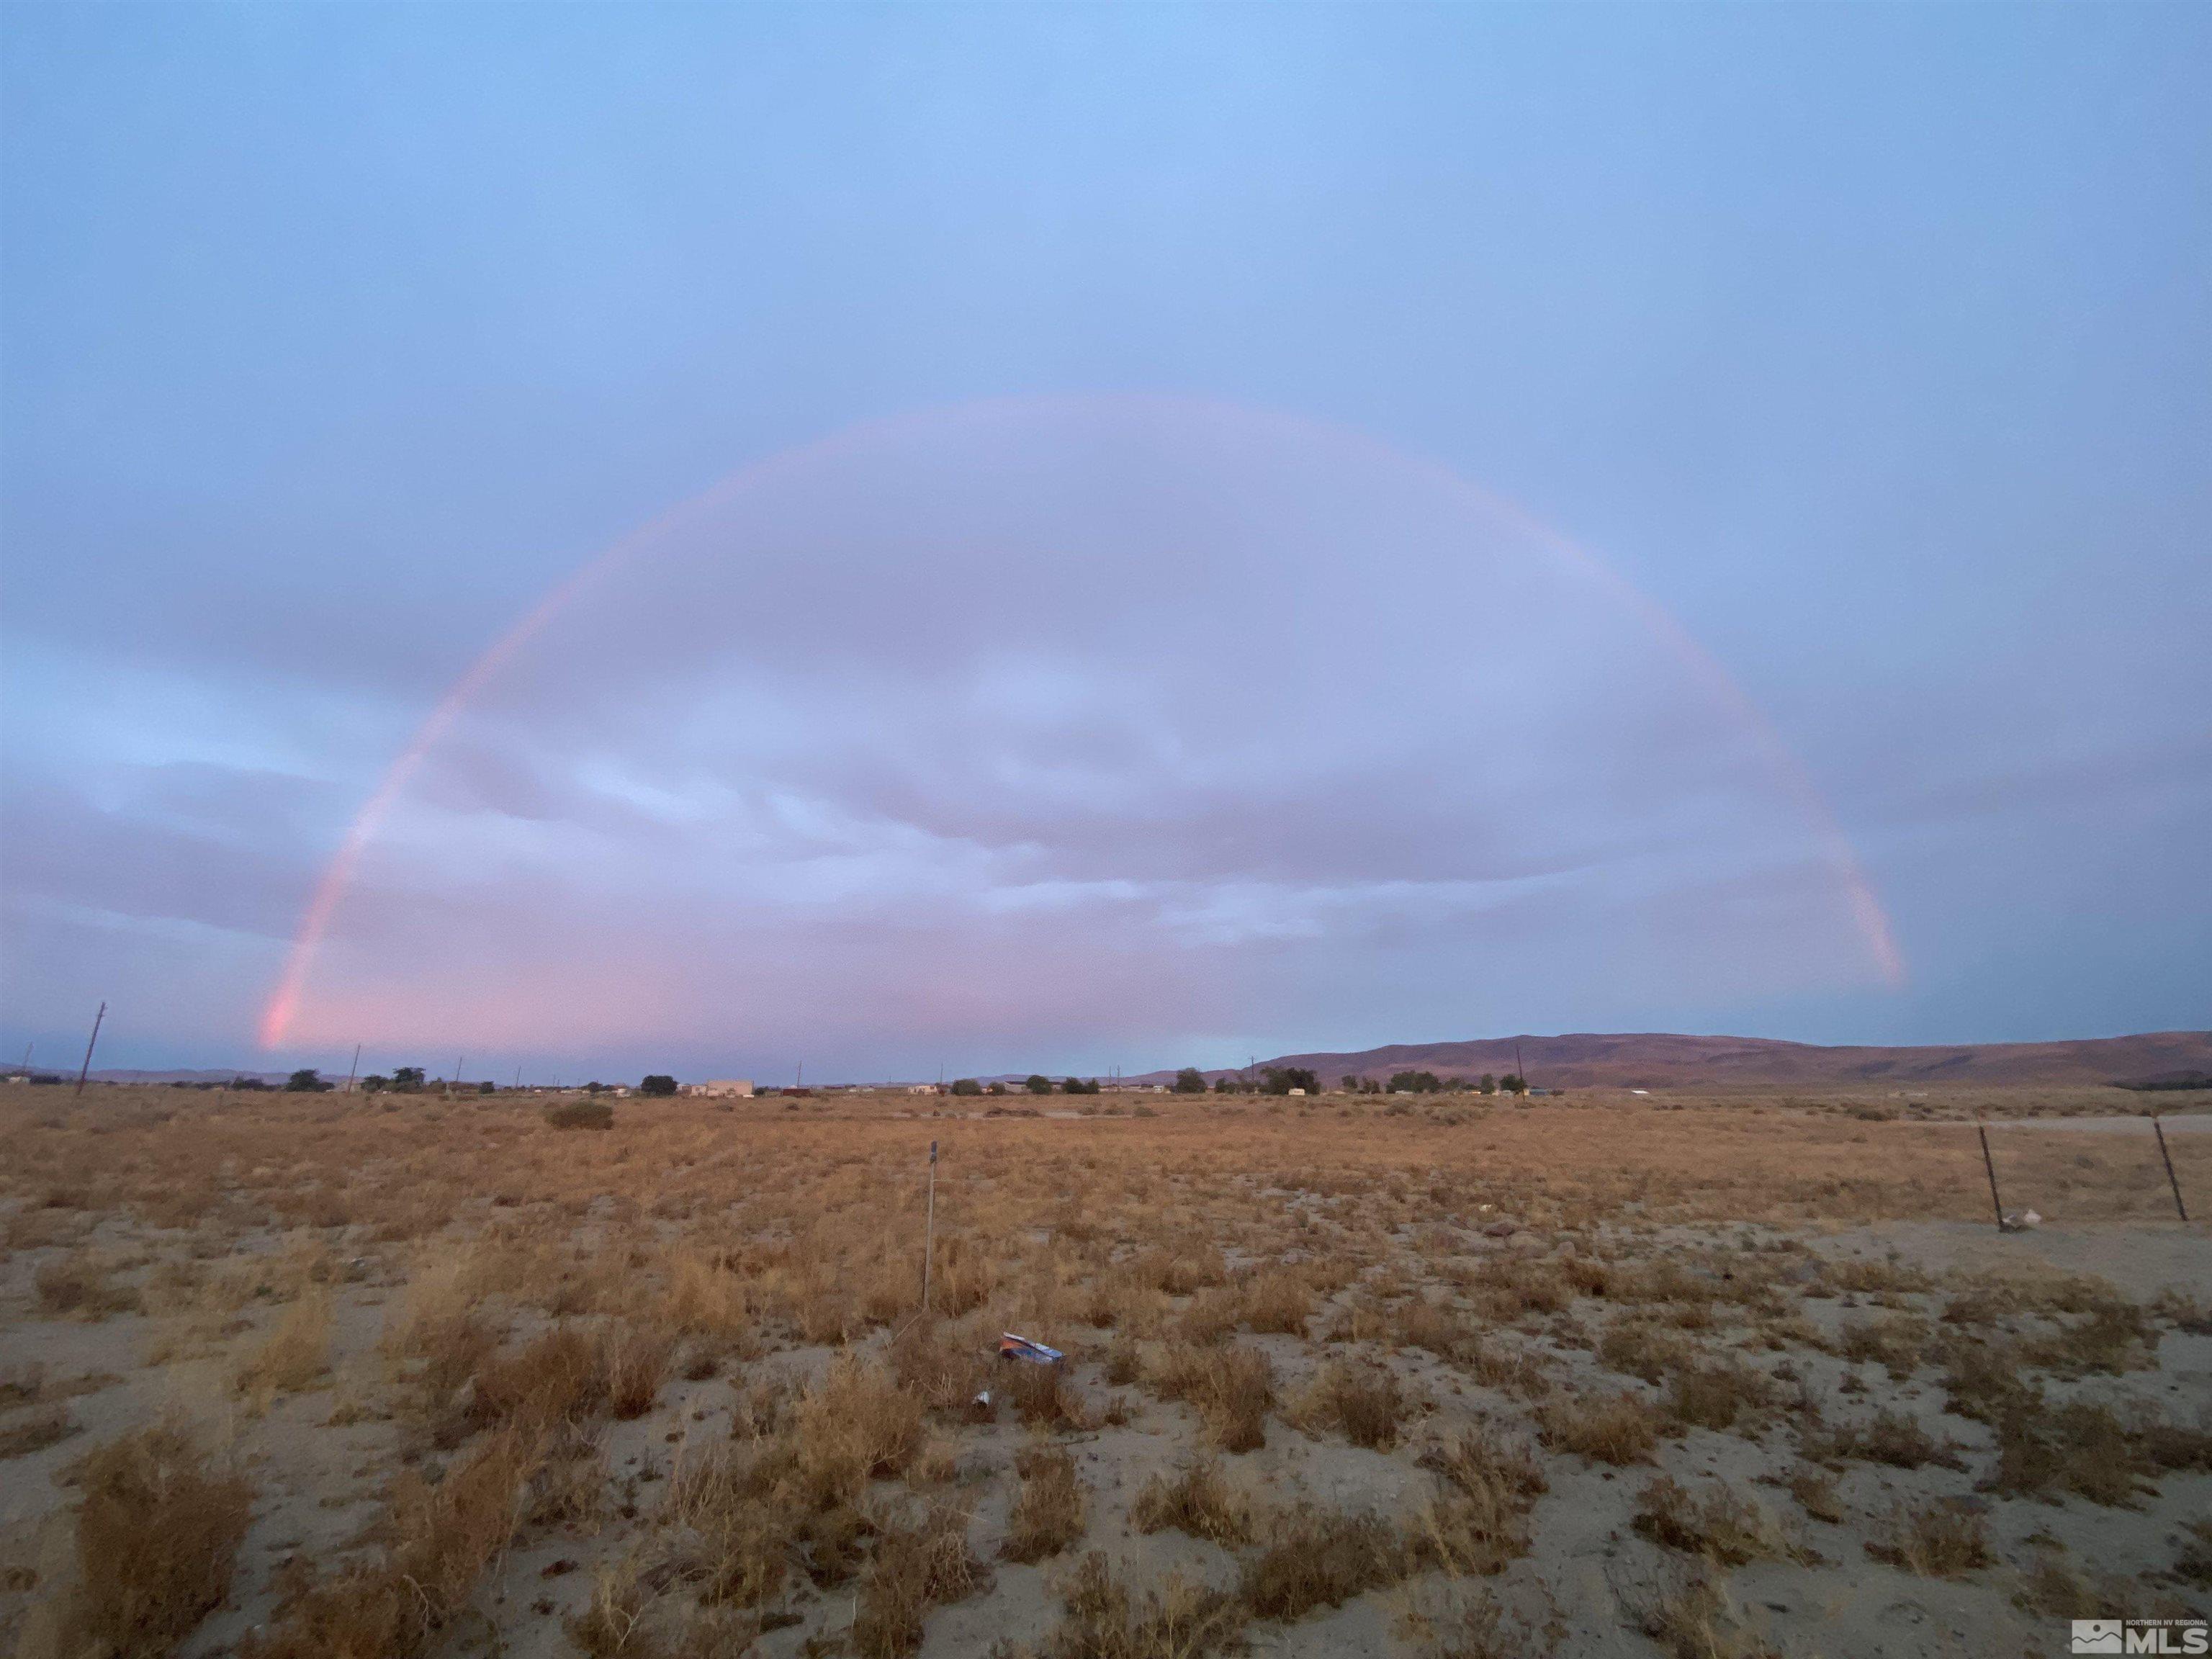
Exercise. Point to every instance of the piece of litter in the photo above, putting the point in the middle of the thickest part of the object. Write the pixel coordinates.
(2018, 1221)
(1020, 1347)
(982, 1400)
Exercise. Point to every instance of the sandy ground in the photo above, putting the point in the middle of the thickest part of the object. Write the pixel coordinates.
(322, 1459)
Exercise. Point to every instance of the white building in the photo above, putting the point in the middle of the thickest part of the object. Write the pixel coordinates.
(740, 1087)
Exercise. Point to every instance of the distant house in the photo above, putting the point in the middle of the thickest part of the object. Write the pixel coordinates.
(739, 1087)
(922, 1089)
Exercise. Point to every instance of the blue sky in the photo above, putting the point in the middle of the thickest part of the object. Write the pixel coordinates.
(1873, 345)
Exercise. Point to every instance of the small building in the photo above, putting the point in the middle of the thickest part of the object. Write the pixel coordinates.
(739, 1088)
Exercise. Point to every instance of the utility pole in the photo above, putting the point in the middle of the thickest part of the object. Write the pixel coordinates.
(1989, 1164)
(94, 1038)
(2158, 1129)
(929, 1230)
(354, 1069)
(454, 1081)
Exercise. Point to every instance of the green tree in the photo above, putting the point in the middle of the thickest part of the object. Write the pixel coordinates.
(1038, 1084)
(487, 1087)
(1413, 1083)
(1514, 1083)
(1076, 1085)
(407, 1080)
(1281, 1079)
(966, 1085)
(1190, 1081)
(375, 1083)
(306, 1081)
(1489, 1083)
(657, 1083)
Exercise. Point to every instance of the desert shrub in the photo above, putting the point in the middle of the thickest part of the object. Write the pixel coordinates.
(1364, 1401)
(1717, 1524)
(581, 1115)
(856, 1423)
(1814, 1489)
(1935, 1540)
(1101, 1619)
(1692, 1619)
(1279, 1300)
(157, 1537)
(296, 1354)
(33, 1430)
(1197, 1501)
(1714, 1396)
(2080, 1446)
(79, 1284)
(1233, 1387)
(1641, 1347)
(1606, 1428)
(635, 1364)
(1891, 1438)
(1044, 1397)
(1316, 1557)
(916, 1567)
(1048, 1513)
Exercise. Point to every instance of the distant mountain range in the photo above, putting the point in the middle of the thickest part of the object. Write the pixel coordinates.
(1649, 1060)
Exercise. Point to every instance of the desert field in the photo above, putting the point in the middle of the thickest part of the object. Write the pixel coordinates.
(297, 1375)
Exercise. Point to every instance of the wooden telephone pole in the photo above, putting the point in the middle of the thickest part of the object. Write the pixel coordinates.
(94, 1038)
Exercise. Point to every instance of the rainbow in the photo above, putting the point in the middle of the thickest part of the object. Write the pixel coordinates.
(1789, 772)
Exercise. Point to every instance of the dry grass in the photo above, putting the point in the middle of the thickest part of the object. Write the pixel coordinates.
(1606, 1428)
(157, 1536)
(1197, 1500)
(1724, 1528)
(671, 1271)
(1231, 1387)
(1048, 1513)
(1934, 1540)
(295, 1356)
(916, 1566)
(1316, 1558)
(1104, 1619)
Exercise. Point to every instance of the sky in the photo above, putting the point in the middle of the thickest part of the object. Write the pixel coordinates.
(598, 539)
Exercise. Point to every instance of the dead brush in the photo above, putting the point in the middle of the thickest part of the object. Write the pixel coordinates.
(704, 1298)
(1045, 1397)
(1364, 1401)
(1693, 1617)
(438, 1540)
(916, 1566)
(295, 1355)
(2081, 1447)
(1231, 1387)
(943, 1364)
(1932, 1539)
(1279, 1300)
(1316, 1557)
(157, 1538)
(1606, 1428)
(1048, 1513)
(856, 1423)
(612, 1622)
(1199, 1502)
(1890, 1438)
(1715, 1523)
(1639, 1345)
(24, 1432)
(1436, 1326)
(1897, 1342)
(1212, 1316)
(1465, 1623)
(1715, 1397)
(1103, 1619)
(1481, 1459)
(80, 1285)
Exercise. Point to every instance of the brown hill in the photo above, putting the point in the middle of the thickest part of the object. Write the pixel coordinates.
(1659, 1059)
